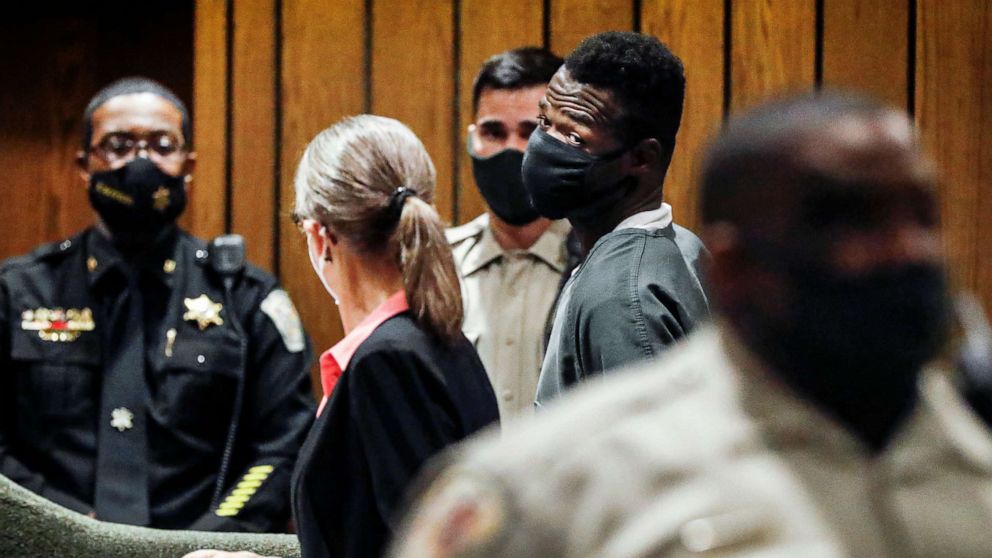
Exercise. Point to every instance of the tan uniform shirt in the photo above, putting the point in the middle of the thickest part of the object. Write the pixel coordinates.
(703, 453)
(507, 297)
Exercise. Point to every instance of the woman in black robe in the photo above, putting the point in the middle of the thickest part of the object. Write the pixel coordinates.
(404, 383)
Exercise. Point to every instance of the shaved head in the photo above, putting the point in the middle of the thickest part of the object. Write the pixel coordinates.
(763, 174)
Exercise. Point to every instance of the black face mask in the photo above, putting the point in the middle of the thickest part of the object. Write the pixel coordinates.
(138, 200)
(564, 181)
(864, 337)
(498, 178)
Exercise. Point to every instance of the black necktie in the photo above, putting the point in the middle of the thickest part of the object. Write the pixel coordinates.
(122, 447)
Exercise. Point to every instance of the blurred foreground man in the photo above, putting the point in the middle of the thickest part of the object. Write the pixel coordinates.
(605, 138)
(808, 421)
(509, 259)
(144, 377)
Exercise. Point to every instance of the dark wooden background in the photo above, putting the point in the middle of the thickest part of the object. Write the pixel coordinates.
(264, 76)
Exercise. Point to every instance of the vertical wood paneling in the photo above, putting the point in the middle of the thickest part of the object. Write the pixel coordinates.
(40, 124)
(253, 144)
(206, 213)
(573, 20)
(66, 192)
(954, 111)
(865, 47)
(323, 80)
(421, 72)
(53, 61)
(693, 29)
(487, 27)
(413, 79)
(773, 49)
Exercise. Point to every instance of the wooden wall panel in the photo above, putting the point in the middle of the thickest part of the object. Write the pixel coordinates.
(253, 144)
(296, 66)
(487, 27)
(323, 80)
(206, 214)
(693, 29)
(954, 111)
(43, 184)
(53, 60)
(413, 79)
(773, 49)
(573, 20)
(865, 47)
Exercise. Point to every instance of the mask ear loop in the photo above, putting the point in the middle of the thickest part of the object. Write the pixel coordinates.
(327, 250)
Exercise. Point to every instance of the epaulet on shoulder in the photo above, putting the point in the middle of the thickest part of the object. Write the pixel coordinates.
(464, 232)
(594, 413)
(59, 248)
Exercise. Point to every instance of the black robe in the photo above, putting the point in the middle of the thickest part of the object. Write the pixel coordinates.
(403, 397)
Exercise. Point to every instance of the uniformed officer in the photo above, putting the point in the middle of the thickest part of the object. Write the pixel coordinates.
(805, 422)
(146, 378)
(509, 258)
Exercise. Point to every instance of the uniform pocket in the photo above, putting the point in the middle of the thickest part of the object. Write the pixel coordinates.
(196, 384)
(57, 382)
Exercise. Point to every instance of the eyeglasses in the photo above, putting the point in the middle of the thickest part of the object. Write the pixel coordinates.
(124, 146)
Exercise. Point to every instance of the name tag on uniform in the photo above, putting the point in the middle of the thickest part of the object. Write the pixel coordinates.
(60, 325)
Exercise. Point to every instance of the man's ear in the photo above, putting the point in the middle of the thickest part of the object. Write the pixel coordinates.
(188, 166)
(645, 156)
(728, 270)
(82, 166)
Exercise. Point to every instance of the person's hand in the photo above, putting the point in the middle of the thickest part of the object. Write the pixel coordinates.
(224, 554)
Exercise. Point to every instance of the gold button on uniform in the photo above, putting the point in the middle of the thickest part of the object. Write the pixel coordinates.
(169, 266)
(91, 264)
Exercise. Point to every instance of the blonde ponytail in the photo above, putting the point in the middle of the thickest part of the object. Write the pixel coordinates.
(348, 179)
(429, 275)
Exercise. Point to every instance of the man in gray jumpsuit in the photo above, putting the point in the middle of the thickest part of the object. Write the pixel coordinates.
(605, 137)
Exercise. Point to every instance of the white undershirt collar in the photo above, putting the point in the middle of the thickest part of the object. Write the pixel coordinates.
(648, 220)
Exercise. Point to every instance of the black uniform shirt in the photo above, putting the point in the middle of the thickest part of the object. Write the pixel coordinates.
(51, 365)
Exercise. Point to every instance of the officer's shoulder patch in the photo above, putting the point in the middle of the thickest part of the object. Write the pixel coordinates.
(279, 308)
(461, 515)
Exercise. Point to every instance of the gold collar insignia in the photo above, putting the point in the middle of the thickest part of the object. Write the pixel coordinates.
(160, 199)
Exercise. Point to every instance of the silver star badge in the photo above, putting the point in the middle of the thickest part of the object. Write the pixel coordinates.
(122, 419)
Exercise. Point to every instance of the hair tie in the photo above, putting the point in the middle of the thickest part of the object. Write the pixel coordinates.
(395, 207)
